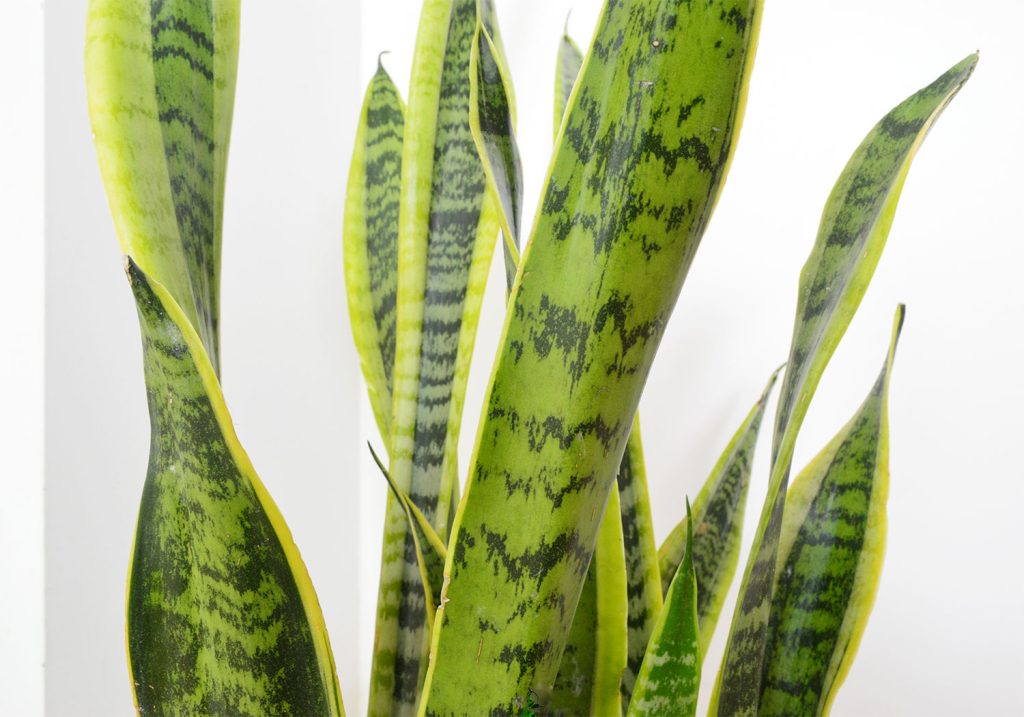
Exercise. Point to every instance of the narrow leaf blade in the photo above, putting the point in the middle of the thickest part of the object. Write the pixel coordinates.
(830, 558)
(569, 61)
(371, 239)
(669, 678)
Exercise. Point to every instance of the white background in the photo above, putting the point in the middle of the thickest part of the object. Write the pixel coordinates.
(945, 636)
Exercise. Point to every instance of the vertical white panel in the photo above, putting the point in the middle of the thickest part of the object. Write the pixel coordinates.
(21, 359)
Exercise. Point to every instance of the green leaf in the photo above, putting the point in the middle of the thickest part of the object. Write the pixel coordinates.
(161, 87)
(631, 189)
(371, 239)
(430, 551)
(830, 559)
(718, 515)
(669, 679)
(492, 121)
(595, 657)
(854, 227)
(570, 59)
(643, 579)
(222, 617)
(447, 228)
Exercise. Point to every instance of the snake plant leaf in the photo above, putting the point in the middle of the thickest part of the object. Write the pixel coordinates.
(371, 239)
(492, 121)
(222, 617)
(447, 228)
(669, 679)
(161, 87)
(718, 515)
(596, 652)
(830, 559)
(430, 551)
(570, 59)
(852, 234)
(643, 577)
(630, 191)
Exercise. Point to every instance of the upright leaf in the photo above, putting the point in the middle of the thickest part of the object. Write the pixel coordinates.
(643, 578)
(161, 88)
(830, 559)
(854, 227)
(371, 239)
(669, 679)
(492, 121)
(222, 617)
(595, 657)
(569, 61)
(718, 517)
(631, 189)
(447, 228)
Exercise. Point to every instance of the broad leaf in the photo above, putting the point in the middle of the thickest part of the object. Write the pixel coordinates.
(631, 189)
(718, 515)
(669, 678)
(371, 239)
(161, 87)
(854, 227)
(830, 559)
(447, 228)
(222, 617)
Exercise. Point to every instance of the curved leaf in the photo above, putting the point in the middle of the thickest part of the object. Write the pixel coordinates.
(669, 678)
(630, 192)
(371, 239)
(161, 87)
(830, 559)
(222, 617)
(718, 515)
(854, 227)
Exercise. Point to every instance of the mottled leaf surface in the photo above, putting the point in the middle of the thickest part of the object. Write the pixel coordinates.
(595, 656)
(222, 618)
(569, 61)
(447, 229)
(669, 679)
(643, 577)
(161, 85)
(371, 239)
(854, 227)
(718, 519)
(637, 169)
(830, 559)
(492, 120)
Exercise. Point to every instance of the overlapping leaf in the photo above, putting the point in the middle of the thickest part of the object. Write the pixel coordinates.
(447, 228)
(222, 618)
(718, 517)
(631, 189)
(854, 227)
(830, 557)
(669, 679)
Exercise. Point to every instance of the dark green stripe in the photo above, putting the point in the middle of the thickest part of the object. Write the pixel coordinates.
(216, 625)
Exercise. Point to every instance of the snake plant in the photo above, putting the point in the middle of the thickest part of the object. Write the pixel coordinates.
(536, 585)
